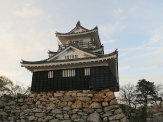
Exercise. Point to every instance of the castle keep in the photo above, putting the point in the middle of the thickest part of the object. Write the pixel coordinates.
(78, 64)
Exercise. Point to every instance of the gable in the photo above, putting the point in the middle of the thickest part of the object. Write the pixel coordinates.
(71, 53)
(78, 30)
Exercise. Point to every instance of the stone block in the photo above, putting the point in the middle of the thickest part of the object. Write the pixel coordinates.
(109, 98)
(84, 99)
(31, 118)
(58, 94)
(108, 108)
(105, 104)
(94, 117)
(97, 99)
(40, 115)
(77, 104)
(96, 105)
(116, 117)
(62, 104)
(56, 111)
(75, 116)
(113, 102)
(68, 98)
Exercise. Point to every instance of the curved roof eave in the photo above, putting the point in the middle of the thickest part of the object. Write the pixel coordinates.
(74, 34)
(114, 54)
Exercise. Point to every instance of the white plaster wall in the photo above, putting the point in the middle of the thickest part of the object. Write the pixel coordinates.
(71, 52)
(84, 39)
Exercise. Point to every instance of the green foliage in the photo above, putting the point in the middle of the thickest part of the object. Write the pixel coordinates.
(146, 92)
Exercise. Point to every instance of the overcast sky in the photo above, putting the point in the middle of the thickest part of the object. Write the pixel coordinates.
(135, 28)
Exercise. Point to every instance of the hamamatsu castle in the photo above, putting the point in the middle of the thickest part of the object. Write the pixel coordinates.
(78, 64)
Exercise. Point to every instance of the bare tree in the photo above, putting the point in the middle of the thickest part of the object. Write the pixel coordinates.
(127, 95)
(5, 84)
(12, 89)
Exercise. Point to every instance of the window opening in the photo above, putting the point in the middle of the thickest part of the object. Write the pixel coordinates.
(87, 71)
(68, 73)
(50, 74)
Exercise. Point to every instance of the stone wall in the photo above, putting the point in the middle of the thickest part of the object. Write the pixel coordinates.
(70, 106)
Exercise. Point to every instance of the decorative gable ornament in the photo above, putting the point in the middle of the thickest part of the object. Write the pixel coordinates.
(78, 64)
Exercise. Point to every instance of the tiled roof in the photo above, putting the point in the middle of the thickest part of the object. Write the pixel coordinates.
(78, 25)
(45, 61)
(51, 52)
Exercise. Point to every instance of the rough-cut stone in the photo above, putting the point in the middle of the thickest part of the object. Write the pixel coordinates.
(38, 103)
(65, 121)
(31, 118)
(60, 116)
(20, 100)
(97, 99)
(11, 103)
(37, 110)
(109, 93)
(81, 94)
(95, 117)
(82, 113)
(75, 116)
(11, 118)
(105, 119)
(47, 118)
(3, 113)
(56, 111)
(96, 105)
(43, 103)
(54, 120)
(118, 111)
(50, 106)
(66, 108)
(77, 104)
(66, 116)
(113, 102)
(2, 104)
(118, 116)
(40, 115)
(85, 104)
(88, 110)
(105, 104)
(53, 99)
(109, 98)
(58, 94)
(84, 99)
(68, 98)
(62, 104)
(125, 120)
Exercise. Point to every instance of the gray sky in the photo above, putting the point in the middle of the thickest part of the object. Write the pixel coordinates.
(27, 31)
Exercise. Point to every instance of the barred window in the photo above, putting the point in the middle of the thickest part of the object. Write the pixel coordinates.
(50, 74)
(71, 57)
(68, 73)
(87, 71)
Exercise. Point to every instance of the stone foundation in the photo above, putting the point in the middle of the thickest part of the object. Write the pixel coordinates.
(62, 106)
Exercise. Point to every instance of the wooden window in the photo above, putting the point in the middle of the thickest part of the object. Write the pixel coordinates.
(87, 71)
(71, 57)
(68, 73)
(76, 56)
(50, 74)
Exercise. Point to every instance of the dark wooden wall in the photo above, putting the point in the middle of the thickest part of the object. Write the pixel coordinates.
(100, 77)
